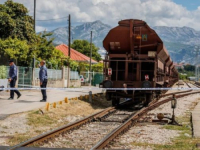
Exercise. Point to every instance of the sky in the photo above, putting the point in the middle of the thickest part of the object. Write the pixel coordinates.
(177, 13)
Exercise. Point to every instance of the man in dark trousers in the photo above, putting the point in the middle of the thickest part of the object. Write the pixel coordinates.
(43, 80)
(12, 79)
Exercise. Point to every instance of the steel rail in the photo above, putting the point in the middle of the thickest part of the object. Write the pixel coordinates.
(71, 126)
(132, 121)
(65, 128)
(187, 84)
(195, 85)
(164, 95)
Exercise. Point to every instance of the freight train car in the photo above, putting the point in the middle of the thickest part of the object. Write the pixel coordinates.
(136, 58)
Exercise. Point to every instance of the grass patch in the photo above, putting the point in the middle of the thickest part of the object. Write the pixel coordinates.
(184, 141)
(180, 143)
(4, 127)
(180, 128)
(18, 138)
(36, 119)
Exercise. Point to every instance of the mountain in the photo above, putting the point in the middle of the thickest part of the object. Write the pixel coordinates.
(180, 41)
(83, 32)
(184, 35)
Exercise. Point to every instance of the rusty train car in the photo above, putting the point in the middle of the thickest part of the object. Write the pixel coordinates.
(136, 58)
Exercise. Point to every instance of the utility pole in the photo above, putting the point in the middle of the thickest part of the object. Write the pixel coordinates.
(196, 64)
(69, 42)
(34, 15)
(90, 58)
(69, 50)
(34, 27)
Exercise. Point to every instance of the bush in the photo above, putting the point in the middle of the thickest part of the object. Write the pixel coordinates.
(3, 72)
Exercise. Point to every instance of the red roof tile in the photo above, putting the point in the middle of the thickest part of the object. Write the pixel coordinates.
(74, 55)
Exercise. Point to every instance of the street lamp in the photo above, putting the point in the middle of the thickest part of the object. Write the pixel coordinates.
(173, 103)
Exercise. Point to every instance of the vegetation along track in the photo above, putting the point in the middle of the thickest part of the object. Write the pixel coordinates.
(100, 128)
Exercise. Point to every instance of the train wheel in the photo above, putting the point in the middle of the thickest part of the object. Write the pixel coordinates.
(148, 99)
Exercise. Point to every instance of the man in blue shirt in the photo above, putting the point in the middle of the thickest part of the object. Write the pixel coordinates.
(43, 80)
(12, 79)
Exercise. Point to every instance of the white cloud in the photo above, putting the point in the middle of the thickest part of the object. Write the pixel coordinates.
(154, 12)
(40, 29)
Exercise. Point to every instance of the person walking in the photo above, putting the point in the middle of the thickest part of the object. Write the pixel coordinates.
(43, 80)
(12, 79)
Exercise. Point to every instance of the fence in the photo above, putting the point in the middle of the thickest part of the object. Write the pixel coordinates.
(24, 75)
(96, 77)
(52, 74)
(56, 78)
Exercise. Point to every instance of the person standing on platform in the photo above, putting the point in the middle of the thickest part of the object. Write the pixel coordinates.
(43, 80)
(12, 79)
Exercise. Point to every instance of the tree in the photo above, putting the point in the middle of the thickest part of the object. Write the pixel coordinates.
(83, 46)
(97, 67)
(44, 49)
(3, 72)
(15, 22)
(19, 40)
(74, 65)
(83, 66)
(189, 68)
(15, 49)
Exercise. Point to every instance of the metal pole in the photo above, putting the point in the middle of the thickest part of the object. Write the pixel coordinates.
(90, 58)
(34, 15)
(69, 50)
(196, 65)
(90, 96)
(34, 27)
(197, 62)
(69, 36)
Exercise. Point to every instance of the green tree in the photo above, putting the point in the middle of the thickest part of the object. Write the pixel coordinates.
(15, 49)
(182, 77)
(189, 68)
(15, 22)
(97, 67)
(3, 72)
(44, 49)
(19, 40)
(83, 46)
(83, 66)
(74, 65)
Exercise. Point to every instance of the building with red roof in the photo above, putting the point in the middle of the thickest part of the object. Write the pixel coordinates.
(74, 55)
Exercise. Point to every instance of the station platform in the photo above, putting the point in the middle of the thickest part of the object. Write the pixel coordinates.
(30, 99)
(196, 121)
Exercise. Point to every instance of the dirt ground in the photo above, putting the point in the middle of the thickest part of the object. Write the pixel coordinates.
(19, 127)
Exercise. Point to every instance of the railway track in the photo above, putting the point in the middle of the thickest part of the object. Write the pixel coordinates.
(133, 120)
(97, 130)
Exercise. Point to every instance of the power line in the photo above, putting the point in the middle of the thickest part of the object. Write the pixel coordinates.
(53, 19)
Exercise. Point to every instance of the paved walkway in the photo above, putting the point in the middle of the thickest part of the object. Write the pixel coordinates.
(196, 121)
(30, 99)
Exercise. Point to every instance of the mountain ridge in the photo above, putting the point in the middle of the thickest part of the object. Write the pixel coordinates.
(180, 41)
